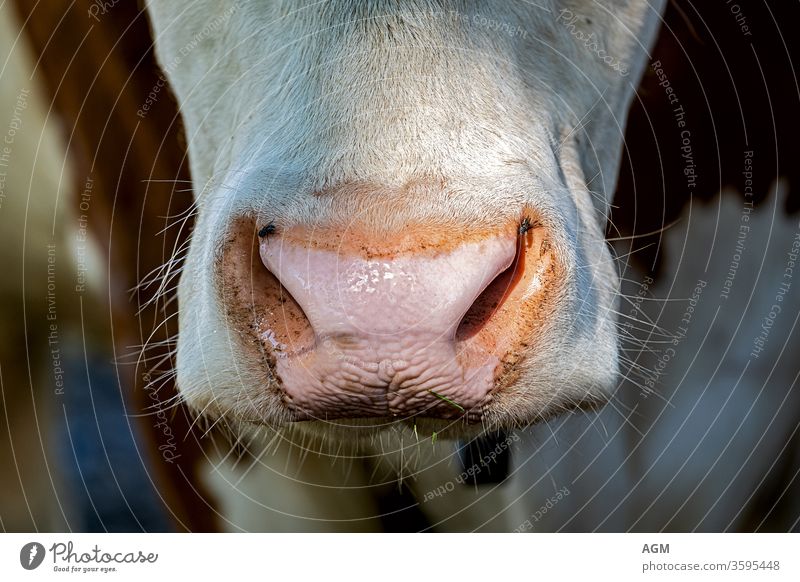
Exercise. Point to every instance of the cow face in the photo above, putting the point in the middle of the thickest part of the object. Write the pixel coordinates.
(400, 206)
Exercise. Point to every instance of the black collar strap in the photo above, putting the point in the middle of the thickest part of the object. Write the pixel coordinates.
(486, 459)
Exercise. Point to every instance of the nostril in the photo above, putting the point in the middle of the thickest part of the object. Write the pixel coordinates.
(493, 297)
(280, 321)
(255, 299)
(488, 302)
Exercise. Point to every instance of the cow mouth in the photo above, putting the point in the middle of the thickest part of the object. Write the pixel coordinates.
(415, 374)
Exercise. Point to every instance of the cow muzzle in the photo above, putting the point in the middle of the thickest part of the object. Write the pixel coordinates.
(357, 324)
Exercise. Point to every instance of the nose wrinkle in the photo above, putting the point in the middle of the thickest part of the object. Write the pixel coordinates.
(344, 295)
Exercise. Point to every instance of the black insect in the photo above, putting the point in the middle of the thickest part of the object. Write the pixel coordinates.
(524, 226)
(268, 229)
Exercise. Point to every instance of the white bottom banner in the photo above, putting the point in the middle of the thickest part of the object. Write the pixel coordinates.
(406, 557)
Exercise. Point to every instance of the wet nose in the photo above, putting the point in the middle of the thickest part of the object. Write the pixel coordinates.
(386, 297)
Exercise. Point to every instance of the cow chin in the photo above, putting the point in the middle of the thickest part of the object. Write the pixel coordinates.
(351, 321)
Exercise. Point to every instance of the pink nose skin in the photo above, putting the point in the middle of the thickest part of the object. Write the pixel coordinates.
(385, 328)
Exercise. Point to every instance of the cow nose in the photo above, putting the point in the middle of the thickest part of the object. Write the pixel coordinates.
(385, 317)
(386, 297)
